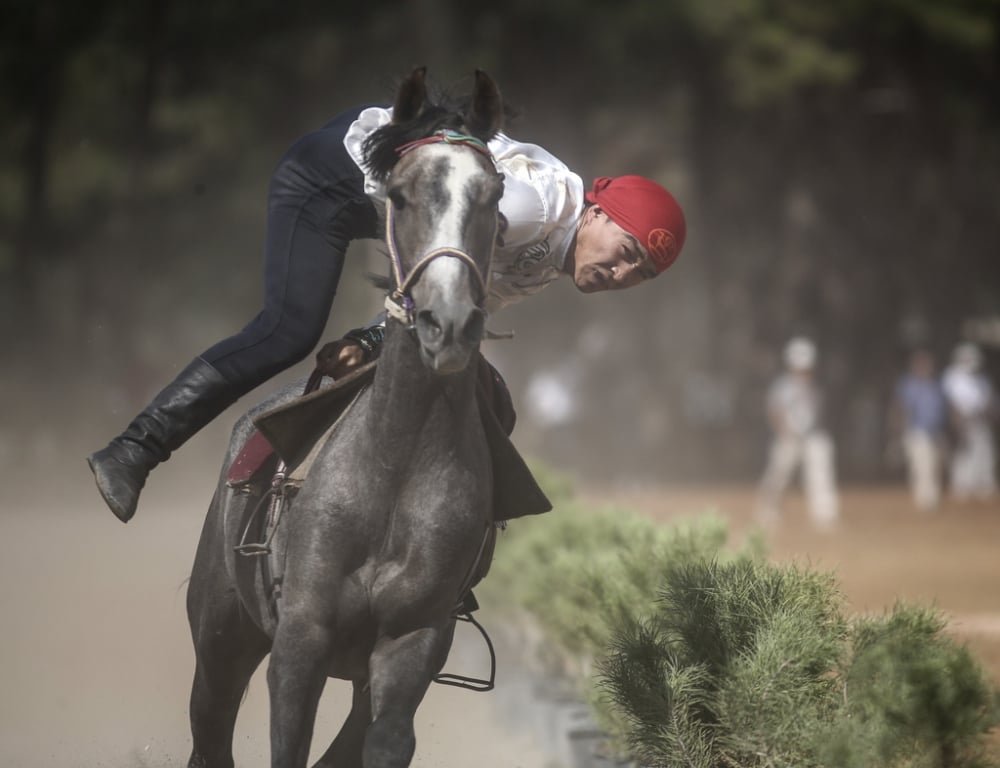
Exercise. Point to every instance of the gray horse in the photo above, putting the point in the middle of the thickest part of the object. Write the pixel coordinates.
(378, 545)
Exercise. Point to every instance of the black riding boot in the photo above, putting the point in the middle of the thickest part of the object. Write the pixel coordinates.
(194, 398)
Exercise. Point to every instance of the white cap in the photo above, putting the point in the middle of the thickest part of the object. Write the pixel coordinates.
(800, 354)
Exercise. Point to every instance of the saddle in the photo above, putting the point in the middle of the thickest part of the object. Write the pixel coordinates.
(294, 431)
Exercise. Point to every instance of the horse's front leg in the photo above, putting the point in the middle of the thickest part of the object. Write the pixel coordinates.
(401, 670)
(295, 678)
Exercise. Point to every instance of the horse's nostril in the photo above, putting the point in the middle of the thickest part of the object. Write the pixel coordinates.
(428, 324)
(475, 327)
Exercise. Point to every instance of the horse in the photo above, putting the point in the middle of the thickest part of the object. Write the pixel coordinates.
(378, 544)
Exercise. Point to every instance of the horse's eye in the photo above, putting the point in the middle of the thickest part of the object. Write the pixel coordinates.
(397, 198)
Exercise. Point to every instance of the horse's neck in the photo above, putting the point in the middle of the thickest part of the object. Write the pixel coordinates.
(408, 401)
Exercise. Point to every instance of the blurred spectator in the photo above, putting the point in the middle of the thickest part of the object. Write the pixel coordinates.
(552, 395)
(920, 421)
(794, 410)
(972, 401)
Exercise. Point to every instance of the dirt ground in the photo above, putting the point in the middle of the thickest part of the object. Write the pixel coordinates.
(95, 660)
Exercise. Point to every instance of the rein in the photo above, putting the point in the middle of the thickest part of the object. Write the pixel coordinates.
(399, 303)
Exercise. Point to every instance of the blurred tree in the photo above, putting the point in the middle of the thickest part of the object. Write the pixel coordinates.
(37, 41)
(838, 162)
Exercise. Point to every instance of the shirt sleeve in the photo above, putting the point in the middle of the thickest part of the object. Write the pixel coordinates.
(369, 121)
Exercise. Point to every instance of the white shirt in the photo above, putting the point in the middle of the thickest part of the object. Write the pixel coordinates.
(797, 403)
(542, 202)
(968, 391)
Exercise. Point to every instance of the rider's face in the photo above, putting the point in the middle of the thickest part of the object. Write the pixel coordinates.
(606, 257)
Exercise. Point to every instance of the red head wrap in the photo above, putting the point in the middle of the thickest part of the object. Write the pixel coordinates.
(645, 210)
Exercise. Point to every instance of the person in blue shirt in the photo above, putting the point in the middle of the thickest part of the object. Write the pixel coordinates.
(921, 421)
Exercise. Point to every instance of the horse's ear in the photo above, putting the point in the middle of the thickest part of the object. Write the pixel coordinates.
(411, 96)
(485, 116)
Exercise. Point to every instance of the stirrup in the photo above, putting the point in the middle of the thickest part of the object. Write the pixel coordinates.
(472, 683)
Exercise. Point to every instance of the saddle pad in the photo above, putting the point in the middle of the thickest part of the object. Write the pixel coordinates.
(293, 428)
(297, 474)
(516, 493)
(258, 455)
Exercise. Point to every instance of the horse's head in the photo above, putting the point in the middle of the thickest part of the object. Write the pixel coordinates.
(442, 196)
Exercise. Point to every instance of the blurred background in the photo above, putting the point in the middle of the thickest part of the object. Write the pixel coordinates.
(839, 164)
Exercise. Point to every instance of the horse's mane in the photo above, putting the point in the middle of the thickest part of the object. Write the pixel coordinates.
(380, 146)
(382, 282)
(443, 111)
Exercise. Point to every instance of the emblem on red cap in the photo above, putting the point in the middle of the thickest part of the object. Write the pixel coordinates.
(662, 248)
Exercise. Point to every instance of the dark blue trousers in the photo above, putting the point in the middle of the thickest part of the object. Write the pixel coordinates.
(316, 206)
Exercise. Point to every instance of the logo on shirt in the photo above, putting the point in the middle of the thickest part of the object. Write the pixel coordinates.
(531, 256)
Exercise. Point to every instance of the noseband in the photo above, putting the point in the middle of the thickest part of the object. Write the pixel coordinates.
(399, 304)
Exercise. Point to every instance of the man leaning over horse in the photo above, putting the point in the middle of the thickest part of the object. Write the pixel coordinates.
(619, 232)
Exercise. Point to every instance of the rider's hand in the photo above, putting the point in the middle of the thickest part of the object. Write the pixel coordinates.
(340, 357)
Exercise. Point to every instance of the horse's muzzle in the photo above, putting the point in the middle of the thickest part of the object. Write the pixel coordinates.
(449, 336)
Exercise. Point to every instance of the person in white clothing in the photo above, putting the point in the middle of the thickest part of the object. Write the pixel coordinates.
(616, 233)
(973, 405)
(794, 410)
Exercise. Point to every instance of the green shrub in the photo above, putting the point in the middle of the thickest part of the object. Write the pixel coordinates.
(749, 645)
(709, 658)
(580, 572)
(916, 697)
(750, 664)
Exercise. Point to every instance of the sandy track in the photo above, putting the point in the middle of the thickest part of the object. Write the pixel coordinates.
(95, 659)
(96, 662)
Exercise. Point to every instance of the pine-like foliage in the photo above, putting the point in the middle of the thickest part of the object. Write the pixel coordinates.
(707, 658)
(914, 697)
(582, 572)
(750, 664)
(749, 645)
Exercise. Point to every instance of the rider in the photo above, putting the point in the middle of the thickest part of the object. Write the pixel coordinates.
(619, 233)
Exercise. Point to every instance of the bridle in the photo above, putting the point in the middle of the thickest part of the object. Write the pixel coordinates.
(399, 303)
